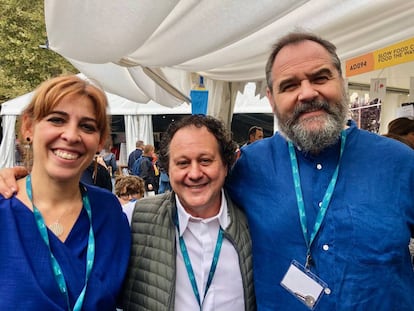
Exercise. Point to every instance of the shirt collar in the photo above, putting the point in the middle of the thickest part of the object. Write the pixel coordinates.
(183, 217)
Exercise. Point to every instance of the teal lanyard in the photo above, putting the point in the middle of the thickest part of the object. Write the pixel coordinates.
(57, 271)
(325, 202)
(189, 267)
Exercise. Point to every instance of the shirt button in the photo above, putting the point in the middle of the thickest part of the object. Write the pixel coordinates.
(320, 204)
(319, 166)
(325, 247)
(327, 291)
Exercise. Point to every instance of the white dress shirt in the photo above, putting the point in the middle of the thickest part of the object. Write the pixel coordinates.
(200, 236)
(128, 209)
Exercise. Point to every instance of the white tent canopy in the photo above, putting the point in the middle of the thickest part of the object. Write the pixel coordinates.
(129, 44)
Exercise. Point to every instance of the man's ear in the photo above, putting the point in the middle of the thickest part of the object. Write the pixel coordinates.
(269, 96)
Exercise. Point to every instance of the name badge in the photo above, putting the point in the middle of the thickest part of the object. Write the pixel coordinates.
(304, 285)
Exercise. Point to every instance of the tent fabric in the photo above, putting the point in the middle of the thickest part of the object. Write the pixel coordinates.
(7, 147)
(223, 40)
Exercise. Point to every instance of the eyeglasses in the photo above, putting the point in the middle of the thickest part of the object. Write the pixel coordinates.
(128, 196)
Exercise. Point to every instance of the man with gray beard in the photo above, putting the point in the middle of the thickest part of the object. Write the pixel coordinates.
(330, 207)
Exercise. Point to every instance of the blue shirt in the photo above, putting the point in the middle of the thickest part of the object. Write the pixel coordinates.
(26, 278)
(361, 250)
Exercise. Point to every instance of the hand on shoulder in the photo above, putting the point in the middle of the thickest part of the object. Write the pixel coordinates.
(8, 177)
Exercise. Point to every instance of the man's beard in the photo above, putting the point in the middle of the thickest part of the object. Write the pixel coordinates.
(319, 137)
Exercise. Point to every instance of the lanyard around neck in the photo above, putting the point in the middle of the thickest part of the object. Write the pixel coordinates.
(189, 267)
(299, 196)
(57, 271)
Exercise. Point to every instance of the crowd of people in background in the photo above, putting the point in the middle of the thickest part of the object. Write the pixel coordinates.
(143, 162)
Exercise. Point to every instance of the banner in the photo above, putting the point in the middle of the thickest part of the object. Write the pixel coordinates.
(199, 101)
(199, 98)
(377, 89)
(392, 55)
(406, 110)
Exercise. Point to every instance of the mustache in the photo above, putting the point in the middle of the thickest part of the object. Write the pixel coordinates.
(310, 106)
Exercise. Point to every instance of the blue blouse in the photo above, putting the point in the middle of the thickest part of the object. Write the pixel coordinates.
(361, 250)
(26, 278)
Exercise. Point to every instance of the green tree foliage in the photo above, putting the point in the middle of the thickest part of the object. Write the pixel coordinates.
(23, 63)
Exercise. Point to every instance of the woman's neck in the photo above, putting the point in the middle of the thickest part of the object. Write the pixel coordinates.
(54, 191)
(59, 203)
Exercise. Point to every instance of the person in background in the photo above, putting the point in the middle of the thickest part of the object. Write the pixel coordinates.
(191, 246)
(97, 174)
(60, 238)
(164, 184)
(402, 129)
(134, 155)
(18, 152)
(255, 133)
(147, 171)
(115, 147)
(110, 160)
(330, 207)
(129, 189)
(399, 138)
(155, 165)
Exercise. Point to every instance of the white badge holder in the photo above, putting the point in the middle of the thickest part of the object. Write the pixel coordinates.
(304, 285)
